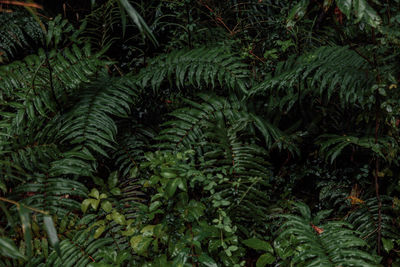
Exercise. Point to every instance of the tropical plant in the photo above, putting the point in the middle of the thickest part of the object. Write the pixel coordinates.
(199, 133)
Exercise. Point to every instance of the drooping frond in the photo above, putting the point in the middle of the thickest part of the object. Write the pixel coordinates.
(320, 73)
(131, 146)
(332, 144)
(200, 67)
(80, 249)
(36, 86)
(56, 195)
(365, 219)
(220, 130)
(89, 126)
(329, 244)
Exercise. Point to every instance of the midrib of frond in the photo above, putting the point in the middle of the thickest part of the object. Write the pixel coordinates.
(87, 117)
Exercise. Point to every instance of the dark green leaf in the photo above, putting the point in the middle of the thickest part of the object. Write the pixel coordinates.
(207, 260)
(258, 244)
(52, 233)
(345, 6)
(26, 228)
(8, 249)
(265, 259)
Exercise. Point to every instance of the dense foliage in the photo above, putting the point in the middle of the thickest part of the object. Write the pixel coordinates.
(199, 133)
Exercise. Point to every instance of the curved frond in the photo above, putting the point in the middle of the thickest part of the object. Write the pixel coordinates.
(89, 126)
(18, 31)
(330, 244)
(198, 67)
(325, 72)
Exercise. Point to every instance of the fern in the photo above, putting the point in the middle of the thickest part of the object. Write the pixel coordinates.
(90, 127)
(365, 220)
(79, 250)
(100, 24)
(221, 131)
(18, 31)
(36, 86)
(332, 145)
(56, 195)
(331, 244)
(198, 67)
(323, 72)
(131, 146)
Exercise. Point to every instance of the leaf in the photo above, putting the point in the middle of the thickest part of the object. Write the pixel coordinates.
(171, 187)
(99, 231)
(258, 244)
(372, 17)
(355, 200)
(85, 205)
(138, 20)
(118, 217)
(140, 244)
(148, 230)
(359, 8)
(195, 209)
(90, 201)
(26, 228)
(206, 260)
(363, 10)
(116, 191)
(344, 6)
(265, 259)
(8, 249)
(168, 175)
(317, 229)
(297, 12)
(112, 180)
(94, 193)
(52, 233)
(387, 244)
(106, 206)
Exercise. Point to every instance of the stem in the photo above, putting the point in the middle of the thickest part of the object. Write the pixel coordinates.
(18, 205)
(51, 80)
(378, 198)
(377, 122)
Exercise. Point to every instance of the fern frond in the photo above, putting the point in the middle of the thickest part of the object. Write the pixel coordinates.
(198, 67)
(221, 131)
(79, 251)
(56, 195)
(320, 73)
(132, 145)
(334, 244)
(332, 144)
(35, 86)
(89, 126)
(18, 30)
(365, 220)
(100, 24)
